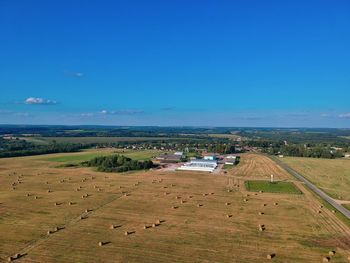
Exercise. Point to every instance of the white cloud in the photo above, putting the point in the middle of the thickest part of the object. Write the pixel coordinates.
(87, 114)
(344, 115)
(122, 112)
(39, 101)
(74, 74)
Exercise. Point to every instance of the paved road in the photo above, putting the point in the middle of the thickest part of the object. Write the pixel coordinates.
(314, 188)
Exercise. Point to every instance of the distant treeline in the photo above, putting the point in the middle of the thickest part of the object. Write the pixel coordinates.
(17, 147)
(118, 163)
(318, 150)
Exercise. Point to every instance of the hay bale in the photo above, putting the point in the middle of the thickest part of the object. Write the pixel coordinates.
(166, 193)
(326, 259)
(261, 191)
(261, 228)
(70, 203)
(270, 256)
(264, 205)
(49, 232)
(127, 233)
(321, 206)
(229, 190)
(245, 200)
(319, 211)
(183, 201)
(155, 225)
(228, 216)
(331, 253)
(177, 197)
(199, 205)
(334, 211)
(261, 213)
(49, 191)
(174, 207)
(190, 196)
(227, 203)
(100, 243)
(275, 203)
(35, 197)
(159, 221)
(88, 210)
(56, 203)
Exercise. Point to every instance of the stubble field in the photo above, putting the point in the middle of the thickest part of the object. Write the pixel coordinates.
(203, 217)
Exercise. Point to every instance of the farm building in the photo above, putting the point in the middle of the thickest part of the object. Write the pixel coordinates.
(170, 158)
(210, 157)
(201, 165)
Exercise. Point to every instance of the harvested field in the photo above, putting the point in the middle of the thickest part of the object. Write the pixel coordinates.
(259, 167)
(330, 175)
(214, 232)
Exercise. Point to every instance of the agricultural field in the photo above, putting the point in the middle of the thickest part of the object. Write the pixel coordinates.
(94, 139)
(160, 216)
(275, 187)
(330, 175)
(258, 167)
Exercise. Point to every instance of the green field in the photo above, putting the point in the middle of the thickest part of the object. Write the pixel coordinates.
(94, 139)
(276, 187)
(331, 175)
(86, 156)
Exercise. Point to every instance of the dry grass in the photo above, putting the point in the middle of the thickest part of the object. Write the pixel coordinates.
(212, 233)
(333, 176)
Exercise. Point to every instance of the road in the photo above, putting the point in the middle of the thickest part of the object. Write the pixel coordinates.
(314, 188)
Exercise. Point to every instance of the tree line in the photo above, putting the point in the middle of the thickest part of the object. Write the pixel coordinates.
(118, 163)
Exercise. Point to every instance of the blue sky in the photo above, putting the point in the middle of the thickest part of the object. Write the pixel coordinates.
(196, 63)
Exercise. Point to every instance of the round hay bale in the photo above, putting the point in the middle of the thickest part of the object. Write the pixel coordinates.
(112, 227)
(229, 190)
(261, 191)
(35, 197)
(49, 191)
(331, 253)
(49, 232)
(158, 221)
(275, 203)
(227, 203)
(9, 259)
(264, 205)
(56, 203)
(326, 259)
(145, 227)
(261, 213)
(270, 256)
(333, 211)
(126, 233)
(228, 216)
(100, 244)
(199, 205)
(245, 200)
